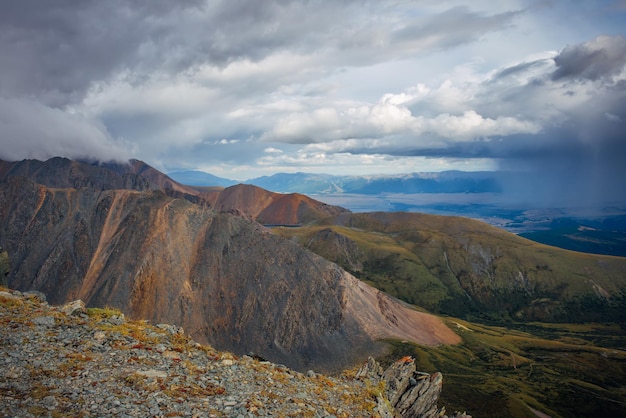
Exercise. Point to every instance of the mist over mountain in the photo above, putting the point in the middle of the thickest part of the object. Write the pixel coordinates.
(515, 201)
(515, 187)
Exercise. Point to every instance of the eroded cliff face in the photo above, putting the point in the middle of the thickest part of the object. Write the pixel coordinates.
(225, 279)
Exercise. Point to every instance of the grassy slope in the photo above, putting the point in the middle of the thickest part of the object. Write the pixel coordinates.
(468, 269)
(560, 369)
(557, 369)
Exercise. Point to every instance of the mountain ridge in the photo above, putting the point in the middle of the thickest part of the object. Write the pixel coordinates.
(245, 200)
(460, 267)
(225, 278)
(452, 181)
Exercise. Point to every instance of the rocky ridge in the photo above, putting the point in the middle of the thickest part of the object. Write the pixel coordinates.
(71, 361)
(249, 201)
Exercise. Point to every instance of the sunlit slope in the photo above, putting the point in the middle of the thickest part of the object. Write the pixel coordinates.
(561, 370)
(467, 268)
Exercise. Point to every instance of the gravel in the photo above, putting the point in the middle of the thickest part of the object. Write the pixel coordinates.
(79, 362)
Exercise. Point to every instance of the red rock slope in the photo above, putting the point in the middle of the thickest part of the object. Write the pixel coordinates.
(225, 279)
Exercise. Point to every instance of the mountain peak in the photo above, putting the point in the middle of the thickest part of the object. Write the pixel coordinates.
(244, 199)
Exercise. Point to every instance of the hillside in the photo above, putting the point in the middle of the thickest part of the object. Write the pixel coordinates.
(245, 200)
(225, 279)
(270, 208)
(469, 269)
(73, 362)
(532, 346)
(530, 371)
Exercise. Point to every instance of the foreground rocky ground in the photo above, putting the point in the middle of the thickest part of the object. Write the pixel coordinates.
(71, 361)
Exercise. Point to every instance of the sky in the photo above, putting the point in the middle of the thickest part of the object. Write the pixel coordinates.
(242, 89)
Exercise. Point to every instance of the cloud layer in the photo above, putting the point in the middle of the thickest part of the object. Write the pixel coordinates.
(244, 88)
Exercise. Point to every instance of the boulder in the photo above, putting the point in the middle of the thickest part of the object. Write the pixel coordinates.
(407, 392)
(75, 308)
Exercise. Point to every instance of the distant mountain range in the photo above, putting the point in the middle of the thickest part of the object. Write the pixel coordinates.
(200, 178)
(443, 182)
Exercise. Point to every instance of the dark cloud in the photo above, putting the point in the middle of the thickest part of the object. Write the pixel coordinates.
(553, 169)
(579, 155)
(54, 51)
(192, 81)
(600, 58)
(581, 175)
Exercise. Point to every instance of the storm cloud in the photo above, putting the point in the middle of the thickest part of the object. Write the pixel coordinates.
(246, 88)
(601, 58)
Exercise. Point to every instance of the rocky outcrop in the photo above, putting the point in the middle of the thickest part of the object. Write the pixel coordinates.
(405, 392)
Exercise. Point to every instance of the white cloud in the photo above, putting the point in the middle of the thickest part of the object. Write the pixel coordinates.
(470, 125)
(612, 117)
(32, 130)
(345, 163)
(390, 117)
(225, 141)
(160, 96)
